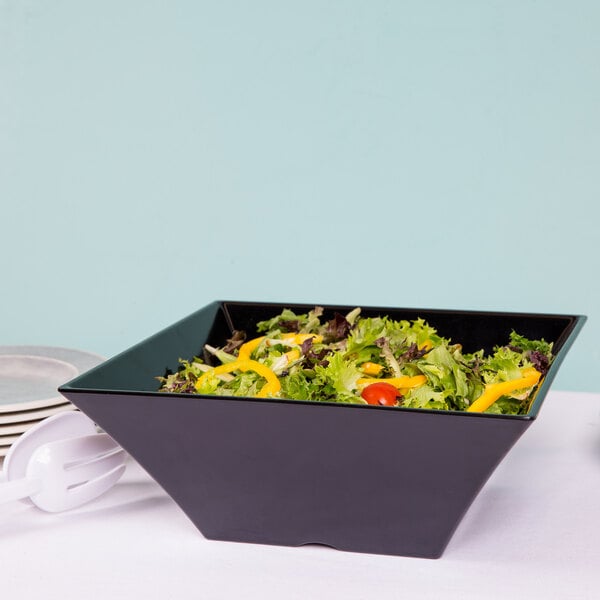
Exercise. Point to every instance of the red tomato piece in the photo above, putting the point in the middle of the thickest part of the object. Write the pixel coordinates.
(380, 394)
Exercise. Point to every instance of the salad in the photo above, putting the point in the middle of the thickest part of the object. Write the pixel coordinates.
(366, 360)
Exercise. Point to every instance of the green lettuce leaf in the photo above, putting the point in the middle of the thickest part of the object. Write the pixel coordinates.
(247, 383)
(288, 320)
(340, 375)
(425, 396)
(504, 365)
(298, 386)
(506, 406)
(524, 344)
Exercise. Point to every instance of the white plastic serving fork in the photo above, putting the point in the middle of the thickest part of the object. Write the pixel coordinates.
(61, 463)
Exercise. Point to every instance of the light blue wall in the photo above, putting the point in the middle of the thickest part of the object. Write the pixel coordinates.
(155, 156)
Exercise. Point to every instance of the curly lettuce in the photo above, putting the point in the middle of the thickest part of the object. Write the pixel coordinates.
(306, 357)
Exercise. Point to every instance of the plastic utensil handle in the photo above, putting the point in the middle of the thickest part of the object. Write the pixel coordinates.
(19, 489)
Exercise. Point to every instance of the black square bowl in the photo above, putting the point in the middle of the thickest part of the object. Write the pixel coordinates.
(358, 478)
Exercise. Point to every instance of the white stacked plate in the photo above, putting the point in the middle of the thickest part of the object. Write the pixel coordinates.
(29, 378)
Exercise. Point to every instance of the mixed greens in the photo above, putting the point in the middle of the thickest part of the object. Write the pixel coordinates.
(366, 360)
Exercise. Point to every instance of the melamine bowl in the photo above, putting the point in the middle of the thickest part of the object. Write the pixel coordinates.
(358, 478)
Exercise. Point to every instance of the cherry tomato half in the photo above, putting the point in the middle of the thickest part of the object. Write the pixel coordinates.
(380, 393)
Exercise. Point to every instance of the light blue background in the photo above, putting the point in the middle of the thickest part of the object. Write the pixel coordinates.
(155, 156)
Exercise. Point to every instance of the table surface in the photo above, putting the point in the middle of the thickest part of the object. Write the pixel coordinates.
(533, 532)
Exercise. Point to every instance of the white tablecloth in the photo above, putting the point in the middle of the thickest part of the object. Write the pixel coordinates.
(533, 532)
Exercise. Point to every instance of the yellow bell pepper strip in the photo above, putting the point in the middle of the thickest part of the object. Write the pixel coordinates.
(398, 382)
(292, 355)
(300, 338)
(494, 391)
(270, 388)
(371, 368)
(248, 348)
(426, 345)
